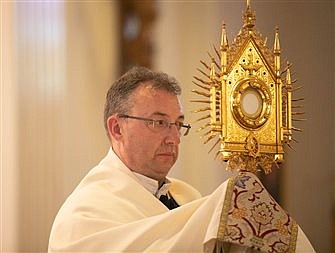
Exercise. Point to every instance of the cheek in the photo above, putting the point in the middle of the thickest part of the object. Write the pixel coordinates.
(142, 143)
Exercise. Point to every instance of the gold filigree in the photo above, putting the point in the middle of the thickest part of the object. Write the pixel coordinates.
(247, 99)
(252, 145)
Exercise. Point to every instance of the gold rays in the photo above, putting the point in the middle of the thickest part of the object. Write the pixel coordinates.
(292, 107)
(210, 87)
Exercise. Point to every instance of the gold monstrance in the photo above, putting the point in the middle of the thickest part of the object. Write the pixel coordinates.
(249, 99)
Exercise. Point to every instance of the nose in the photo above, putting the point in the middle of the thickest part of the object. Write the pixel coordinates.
(173, 135)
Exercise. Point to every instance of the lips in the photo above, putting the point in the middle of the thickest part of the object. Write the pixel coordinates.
(167, 154)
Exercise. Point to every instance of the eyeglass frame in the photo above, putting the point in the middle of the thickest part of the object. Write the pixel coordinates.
(166, 124)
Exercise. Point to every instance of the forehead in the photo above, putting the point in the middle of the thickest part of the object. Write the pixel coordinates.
(147, 100)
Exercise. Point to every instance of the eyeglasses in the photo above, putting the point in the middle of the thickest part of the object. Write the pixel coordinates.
(158, 125)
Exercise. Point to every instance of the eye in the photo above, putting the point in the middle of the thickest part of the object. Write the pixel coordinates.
(160, 123)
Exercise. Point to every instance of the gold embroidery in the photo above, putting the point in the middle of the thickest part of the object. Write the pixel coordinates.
(226, 206)
(293, 242)
(252, 218)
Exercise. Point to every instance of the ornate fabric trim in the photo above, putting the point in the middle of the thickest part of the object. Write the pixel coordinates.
(251, 217)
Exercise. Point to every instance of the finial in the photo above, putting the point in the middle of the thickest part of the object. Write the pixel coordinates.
(224, 41)
(248, 4)
(276, 51)
(249, 17)
(224, 48)
(276, 47)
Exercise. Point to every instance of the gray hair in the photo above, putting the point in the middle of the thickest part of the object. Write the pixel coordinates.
(117, 99)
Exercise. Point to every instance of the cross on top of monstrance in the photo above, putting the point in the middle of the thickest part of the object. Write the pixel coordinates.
(248, 99)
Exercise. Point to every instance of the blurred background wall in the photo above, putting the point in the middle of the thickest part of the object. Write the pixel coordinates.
(58, 59)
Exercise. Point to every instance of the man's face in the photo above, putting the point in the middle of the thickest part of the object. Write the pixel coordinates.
(148, 152)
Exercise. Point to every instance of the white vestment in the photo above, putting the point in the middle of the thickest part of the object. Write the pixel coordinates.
(110, 211)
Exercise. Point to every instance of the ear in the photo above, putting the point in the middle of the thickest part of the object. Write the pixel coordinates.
(114, 128)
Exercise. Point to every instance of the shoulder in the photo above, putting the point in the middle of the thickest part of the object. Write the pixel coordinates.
(183, 192)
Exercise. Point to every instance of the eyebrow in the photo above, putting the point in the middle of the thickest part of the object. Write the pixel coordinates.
(181, 117)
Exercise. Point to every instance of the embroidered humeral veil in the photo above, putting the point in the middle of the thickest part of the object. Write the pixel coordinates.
(251, 217)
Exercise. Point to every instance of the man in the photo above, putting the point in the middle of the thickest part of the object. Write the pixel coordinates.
(123, 204)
